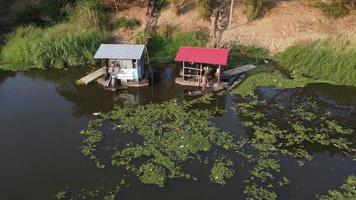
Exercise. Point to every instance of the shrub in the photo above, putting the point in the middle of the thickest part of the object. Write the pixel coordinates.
(335, 9)
(246, 54)
(332, 59)
(127, 23)
(205, 8)
(255, 8)
(45, 11)
(163, 44)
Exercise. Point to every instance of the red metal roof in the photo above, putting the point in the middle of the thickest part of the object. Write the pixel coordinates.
(202, 55)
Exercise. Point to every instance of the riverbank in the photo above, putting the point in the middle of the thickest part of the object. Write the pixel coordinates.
(70, 42)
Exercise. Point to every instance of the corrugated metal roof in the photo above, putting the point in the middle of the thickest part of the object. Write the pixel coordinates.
(203, 55)
(119, 51)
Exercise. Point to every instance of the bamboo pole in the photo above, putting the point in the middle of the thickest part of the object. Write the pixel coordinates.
(231, 10)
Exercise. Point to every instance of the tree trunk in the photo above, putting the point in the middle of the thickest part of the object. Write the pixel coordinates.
(174, 7)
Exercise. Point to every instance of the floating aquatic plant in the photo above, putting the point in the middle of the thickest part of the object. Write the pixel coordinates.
(170, 133)
(221, 171)
(347, 191)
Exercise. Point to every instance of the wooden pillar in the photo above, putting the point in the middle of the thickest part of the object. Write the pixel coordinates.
(183, 70)
(219, 73)
(200, 73)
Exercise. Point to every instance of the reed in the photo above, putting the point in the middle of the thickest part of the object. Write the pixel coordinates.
(331, 59)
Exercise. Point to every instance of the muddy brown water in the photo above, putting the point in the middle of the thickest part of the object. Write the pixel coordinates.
(42, 112)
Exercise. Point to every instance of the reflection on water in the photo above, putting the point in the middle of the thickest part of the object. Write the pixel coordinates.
(41, 113)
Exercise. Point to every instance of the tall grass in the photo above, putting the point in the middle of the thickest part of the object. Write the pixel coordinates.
(65, 44)
(164, 43)
(332, 59)
(246, 54)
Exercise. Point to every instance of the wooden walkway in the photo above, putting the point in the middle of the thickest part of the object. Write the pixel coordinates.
(236, 71)
(91, 77)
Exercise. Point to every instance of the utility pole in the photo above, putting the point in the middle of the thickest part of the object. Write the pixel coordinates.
(231, 10)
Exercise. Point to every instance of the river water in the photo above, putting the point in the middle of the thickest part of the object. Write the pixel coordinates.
(42, 112)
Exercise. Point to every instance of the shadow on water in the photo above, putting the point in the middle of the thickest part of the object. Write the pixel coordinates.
(43, 111)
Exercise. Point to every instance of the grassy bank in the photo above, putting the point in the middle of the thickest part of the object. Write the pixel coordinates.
(69, 43)
(332, 60)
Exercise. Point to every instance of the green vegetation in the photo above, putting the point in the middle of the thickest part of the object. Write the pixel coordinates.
(254, 192)
(337, 8)
(332, 60)
(161, 138)
(85, 193)
(205, 8)
(42, 13)
(246, 54)
(164, 43)
(255, 8)
(65, 44)
(304, 125)
(221, 171)
(347, 191)
(172, 133)
(127, 23)
(263, 76)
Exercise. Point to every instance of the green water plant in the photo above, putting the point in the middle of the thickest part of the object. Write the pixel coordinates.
(221, 171)
(347, 191)
(255, 192)
(171, 132)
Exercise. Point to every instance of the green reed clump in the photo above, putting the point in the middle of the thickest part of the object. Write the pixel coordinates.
(65, 44)
(332, 59)
(346, 191)
(164, 43)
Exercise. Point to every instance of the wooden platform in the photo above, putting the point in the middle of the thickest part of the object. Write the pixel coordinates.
(215, 88)
(142, 83)
(91, 77)
(180, 81)
(237, 71)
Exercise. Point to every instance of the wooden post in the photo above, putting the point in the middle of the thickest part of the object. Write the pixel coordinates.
(200, 71)
(231, 10)
(219, 73)
(183, 71)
